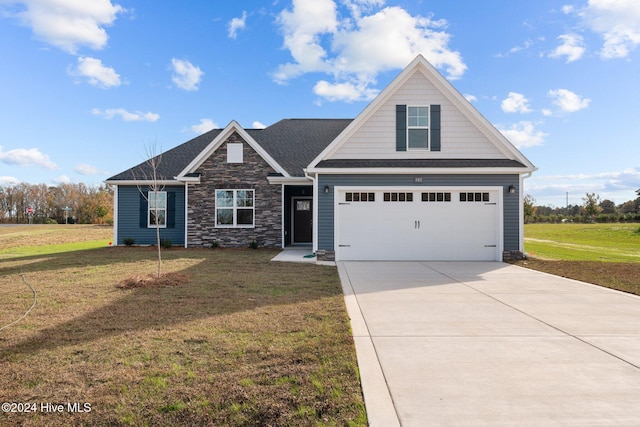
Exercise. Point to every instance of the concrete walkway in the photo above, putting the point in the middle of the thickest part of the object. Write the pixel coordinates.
(491, 344)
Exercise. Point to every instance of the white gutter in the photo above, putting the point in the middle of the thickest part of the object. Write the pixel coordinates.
(315, 210)
(521, 209)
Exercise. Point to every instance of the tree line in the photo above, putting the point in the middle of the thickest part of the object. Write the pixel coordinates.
(592, 209)
(65, 203)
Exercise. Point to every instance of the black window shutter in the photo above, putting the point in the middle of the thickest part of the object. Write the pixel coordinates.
(144, 210)
(401, 128)
(171, 210)
(435, 127)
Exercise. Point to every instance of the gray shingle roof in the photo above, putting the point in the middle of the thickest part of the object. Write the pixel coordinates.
(293, 143)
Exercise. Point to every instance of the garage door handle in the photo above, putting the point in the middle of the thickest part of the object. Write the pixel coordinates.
(344, 246)
(489, 246)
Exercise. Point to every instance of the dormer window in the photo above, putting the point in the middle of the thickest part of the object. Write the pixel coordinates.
(418, 128)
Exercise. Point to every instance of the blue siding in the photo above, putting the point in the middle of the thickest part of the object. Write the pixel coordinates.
(129, 218)
(511, 219)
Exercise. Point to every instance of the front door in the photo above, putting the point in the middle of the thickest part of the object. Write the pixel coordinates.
(302, 220)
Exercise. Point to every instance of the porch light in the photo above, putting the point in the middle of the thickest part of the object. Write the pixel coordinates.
(512, 189)
(326, 189)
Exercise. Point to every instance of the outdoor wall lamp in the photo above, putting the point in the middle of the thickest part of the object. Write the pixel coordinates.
(326, 189)
(512, 189)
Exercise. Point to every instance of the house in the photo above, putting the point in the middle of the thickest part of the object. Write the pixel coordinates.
(419, 174)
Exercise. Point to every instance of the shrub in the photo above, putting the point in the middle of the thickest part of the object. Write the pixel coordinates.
(129, 241)
(214, 244)
(166, 243)
(253, 244)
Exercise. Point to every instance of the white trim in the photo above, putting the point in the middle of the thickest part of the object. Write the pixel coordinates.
(282, 222)
(186, 214)
(449, 91)
(232, 127)
(115, 216)
(142, 182)
(418, 171)
(291, 180)
(497, 189)
(234, 208)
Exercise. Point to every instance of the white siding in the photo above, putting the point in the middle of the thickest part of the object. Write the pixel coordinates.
(376, 138)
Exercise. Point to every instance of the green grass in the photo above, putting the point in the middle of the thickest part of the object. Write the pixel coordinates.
(583, 242)
(245, 341)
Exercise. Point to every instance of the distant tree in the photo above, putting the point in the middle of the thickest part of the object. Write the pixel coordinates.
(591, 204)
(529, 207)
(608, 207)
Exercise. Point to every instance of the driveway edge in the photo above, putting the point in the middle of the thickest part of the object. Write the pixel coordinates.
(377, 397)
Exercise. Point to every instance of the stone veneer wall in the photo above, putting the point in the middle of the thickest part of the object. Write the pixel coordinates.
(252, 174)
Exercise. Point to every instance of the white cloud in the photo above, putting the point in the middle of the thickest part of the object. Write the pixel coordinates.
(568, 101)
(355, 44)
(572, 47)
(619, 186)
(96, 73)
(8, 180)
(69, 24)
(515, 103)
(186, 75)
(86, 169)
(125, 115)
(523, 134)
(62, 179)
(204, 126)
(347, 92)
(471, 98)
(26, 157)
(617, 22)
(258, 125)
(237, 24)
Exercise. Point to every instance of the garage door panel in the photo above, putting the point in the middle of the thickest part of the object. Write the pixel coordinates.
(440, 225)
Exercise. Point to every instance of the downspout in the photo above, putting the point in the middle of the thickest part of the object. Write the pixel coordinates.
(315, 210)
(521, 209)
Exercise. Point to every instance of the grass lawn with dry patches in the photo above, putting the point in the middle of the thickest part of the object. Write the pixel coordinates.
(603, 254)
(243, 341)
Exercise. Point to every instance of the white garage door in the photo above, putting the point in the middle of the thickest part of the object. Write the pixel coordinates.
(419, 224)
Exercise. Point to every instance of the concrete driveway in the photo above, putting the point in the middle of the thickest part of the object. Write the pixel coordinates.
(491, 344)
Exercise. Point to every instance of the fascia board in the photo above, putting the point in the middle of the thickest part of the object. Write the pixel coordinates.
(233, 126)
(297, 180)
(419, 171)
(142, 182)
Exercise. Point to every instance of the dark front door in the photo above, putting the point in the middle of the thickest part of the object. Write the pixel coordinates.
(302, 220)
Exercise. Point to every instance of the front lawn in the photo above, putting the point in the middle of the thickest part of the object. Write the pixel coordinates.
(245, 341)
(603, 254)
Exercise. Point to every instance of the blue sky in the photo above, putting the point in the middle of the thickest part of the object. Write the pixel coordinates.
(87, 87)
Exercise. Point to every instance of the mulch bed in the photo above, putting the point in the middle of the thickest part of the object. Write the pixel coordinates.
(153, 281)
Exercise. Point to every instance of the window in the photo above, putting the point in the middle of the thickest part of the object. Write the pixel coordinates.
(418, 128)
(157, 205)
(360, 197)
(235, 208)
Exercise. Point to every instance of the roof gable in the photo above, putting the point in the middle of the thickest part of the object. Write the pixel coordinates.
(372, 134)
(232, 127)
